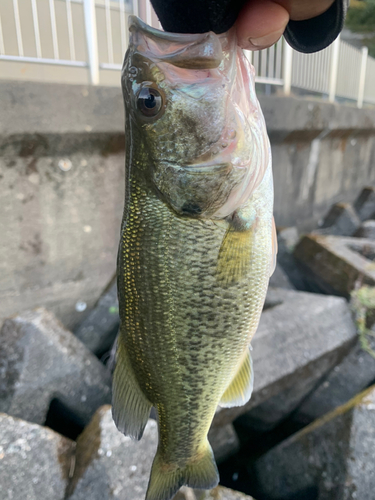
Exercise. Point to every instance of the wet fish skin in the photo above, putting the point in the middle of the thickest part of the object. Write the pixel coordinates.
(192, 279)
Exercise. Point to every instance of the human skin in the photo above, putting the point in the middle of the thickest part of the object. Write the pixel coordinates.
(262, 22)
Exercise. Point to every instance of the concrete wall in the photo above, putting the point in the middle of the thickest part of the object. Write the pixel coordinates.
(59, 229)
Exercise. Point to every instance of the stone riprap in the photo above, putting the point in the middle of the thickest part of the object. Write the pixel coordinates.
(366, 230)
(365, 203)
(337, 264)
(99, 328)
(35, 461)
(224, 442)
(40, 361)
(221, 493)
(301, 336)
(109, 465)
(341, 220)
(355, 372)
(218, 493)
(279, 279)
(287, 239)
(331, 459)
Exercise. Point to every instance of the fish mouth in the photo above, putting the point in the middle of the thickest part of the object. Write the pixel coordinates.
(199, 168)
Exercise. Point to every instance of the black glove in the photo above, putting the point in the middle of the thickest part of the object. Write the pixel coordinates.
(199, 16)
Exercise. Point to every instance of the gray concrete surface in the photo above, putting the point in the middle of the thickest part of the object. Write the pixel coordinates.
(333, 457)
(41, 361)
(224, 442)
(301, 337)
(341, 220)
(354, 374)
(365, 203)
(34, 461)
(60, 228)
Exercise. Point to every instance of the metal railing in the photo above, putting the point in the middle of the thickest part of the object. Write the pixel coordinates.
(93, 35)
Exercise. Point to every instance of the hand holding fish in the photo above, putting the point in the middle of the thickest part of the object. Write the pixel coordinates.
(261, 23)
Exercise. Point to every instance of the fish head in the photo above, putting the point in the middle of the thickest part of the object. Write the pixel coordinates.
(191, 104)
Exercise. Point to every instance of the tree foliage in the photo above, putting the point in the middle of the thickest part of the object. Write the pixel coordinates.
(361, 19)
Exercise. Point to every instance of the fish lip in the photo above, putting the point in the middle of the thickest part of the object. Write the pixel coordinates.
(205, 167)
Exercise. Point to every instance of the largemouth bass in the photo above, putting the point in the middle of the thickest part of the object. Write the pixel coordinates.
(197, 245)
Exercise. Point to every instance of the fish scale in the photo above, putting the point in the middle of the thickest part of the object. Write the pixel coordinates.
(191, 279)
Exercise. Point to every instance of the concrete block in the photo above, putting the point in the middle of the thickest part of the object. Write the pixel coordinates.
(335, 264)
(354, 374)
(218, 493)
(110, 465)
(224, 442)
(301, 336)
(287, 238)
(366, 230)
(331, 459)
(341, 220)
(40, 362)
(279, 279)
(35, 461)
(99, 329)
(365, 203)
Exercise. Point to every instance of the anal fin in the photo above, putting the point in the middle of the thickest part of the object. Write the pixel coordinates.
(241, 387)
(130, 407)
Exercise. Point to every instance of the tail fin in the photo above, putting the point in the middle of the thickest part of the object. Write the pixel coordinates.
(201, 474)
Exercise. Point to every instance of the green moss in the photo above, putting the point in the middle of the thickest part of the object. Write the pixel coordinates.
(363, 306)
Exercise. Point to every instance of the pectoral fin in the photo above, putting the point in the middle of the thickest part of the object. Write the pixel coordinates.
(239, 390)
(130, 407)
(234, 256)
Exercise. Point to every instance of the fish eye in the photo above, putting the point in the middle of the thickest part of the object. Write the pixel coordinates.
(150, 102)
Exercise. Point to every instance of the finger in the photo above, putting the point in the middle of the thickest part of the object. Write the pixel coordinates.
(260, 24)
(299, 10)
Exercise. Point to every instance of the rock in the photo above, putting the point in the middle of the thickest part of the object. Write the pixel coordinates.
(341, 220)
(331, 459)
(221, 493)
(367, 230)
(224, 442)
(287, 239)
(336, 265)
(218, 493)
(301, 336)
(355, 372)
(99, 329)
(279, 279)
(41, 362)
(35, 461)
(365, 203)
(110, 465)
